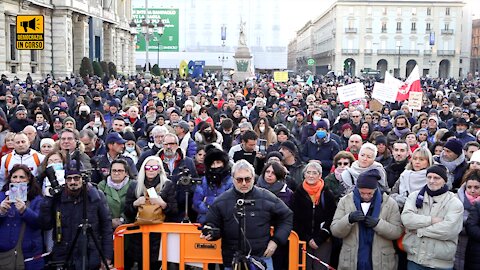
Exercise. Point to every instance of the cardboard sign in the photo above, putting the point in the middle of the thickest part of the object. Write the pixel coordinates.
(384, 92)
(280, 76)
(351, 92)
(375, 105)
(415, 100)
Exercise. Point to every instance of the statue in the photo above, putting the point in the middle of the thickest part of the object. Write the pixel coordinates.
(242, 40)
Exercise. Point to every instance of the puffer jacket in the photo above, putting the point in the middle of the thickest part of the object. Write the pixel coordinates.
(324, 152)
(205, 194)
(427, 244)
(389, 228)
(71, 216)
(25, 159)
(268, 210)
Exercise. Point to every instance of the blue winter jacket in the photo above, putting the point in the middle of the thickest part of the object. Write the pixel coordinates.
(10, 226)
(325, 152)
(206, 193)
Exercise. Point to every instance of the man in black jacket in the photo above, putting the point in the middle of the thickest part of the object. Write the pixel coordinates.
(262, 209)
(63, 214)
(400, 154)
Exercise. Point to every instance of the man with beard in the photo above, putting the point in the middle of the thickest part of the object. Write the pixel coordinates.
(453, 158)
(174, 163)
(21, 154)
(96, 104)
(20, 121)
(63, 214)
(461, 128)
(400, 160)
(187, 144)
(456, 114)
(354, 145)
(401, 128)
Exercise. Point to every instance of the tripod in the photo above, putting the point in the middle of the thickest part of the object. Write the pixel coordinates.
(186, 219)
(240, 261)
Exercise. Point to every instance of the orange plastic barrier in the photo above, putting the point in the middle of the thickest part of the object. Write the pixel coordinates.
(191, 248)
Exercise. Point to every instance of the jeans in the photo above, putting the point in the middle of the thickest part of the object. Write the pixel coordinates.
(415, 266)
(268, 261)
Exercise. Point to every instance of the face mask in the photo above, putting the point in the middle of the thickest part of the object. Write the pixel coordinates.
(56, 166)
(83, 113)
(321, 134)
(129, 149)
(317, 118)
(262, 129)
(215, 175)
(69, 93)
(97, 120)
(401, 128)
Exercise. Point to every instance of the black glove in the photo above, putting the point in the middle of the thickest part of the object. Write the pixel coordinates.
(371, 222)
(356, 216)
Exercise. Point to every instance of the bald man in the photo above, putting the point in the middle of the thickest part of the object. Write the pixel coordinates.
(354, 144)
(33, 137)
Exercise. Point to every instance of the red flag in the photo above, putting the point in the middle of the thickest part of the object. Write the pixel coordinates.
(412, 83)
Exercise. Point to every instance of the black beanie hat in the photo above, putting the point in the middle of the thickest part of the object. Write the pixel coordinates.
(440, 170)
(454, 145)
(212, 154)
(290, 147)
(369, 179)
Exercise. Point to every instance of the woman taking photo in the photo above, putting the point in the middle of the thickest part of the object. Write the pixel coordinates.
(265, 132)
(115, 190)
(151, 175)
(313, 226)
(19, 219)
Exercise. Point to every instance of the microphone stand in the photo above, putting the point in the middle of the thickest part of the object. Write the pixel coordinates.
(240, 261)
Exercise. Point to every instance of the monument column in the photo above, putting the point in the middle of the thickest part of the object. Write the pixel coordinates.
(80, 34)
(243, 58)
(62, 43)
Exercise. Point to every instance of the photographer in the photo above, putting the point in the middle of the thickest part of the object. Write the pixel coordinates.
(63, 213)
(262, 209)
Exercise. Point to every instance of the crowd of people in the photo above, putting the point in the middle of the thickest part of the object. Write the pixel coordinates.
(365, 187)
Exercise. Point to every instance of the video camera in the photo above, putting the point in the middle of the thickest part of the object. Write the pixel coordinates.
(55, 187)
(186, 178)
(214, 232)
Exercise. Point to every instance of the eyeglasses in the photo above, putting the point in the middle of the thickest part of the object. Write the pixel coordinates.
(355, 116)
(67, 139)
(152, 167)
(169, 144)
(312, 173)
(118, 171)
(241, 180)
(73, 178)
(343, 163)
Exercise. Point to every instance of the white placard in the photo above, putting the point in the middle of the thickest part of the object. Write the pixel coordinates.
(351, 92)
(415, 100)
(384, 92)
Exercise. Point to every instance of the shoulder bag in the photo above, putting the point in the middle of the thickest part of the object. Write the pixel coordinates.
(13, 259)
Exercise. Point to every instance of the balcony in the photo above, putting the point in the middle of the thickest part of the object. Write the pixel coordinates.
(409, 52)
(349, 51)
(350, 30)
(447, 31)
(384, 30)
(368, 51)
(427, 52)
(399, 30)
(387, 52)
(446, 52)
(368, 30)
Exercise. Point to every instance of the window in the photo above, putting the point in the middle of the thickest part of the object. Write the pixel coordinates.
(447, 26)
(399, 11)
(414, 26)
(399, 26)
(384, 11)
(414, 11)
(428, 27)
(13, 49)
(384, 27)
(429, 11)
(447, 11)
(33, 56)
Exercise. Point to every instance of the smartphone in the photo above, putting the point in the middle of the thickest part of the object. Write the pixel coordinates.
(262, 146)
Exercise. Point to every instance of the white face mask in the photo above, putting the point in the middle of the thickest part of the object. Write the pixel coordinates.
(129, 149)
(317, 118)
(262, 129)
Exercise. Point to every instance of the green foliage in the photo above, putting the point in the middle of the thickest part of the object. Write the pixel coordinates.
(156, 70)
(104, 66)
(86, 68)
(112, 69)
(97, 69)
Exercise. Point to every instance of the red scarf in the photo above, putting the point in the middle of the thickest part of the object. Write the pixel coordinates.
(315, 190)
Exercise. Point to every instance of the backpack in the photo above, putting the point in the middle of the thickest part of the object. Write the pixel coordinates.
(10, 155)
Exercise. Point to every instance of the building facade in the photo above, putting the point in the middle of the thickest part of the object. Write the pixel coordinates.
(475, 60)
(73, 29)
(354, 36)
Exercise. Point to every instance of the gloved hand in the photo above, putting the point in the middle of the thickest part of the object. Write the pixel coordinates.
(356, 216)
(371, 222)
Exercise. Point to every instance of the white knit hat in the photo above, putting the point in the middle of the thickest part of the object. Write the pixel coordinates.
(475, 156)
(47, 141)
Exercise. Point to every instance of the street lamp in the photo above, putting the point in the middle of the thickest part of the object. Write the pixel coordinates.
(160, 28)
(399, 46)
(223, 37)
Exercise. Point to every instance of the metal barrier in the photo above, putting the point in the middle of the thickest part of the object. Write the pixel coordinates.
(191, 249)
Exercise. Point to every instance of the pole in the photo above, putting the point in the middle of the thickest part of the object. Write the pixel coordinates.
(158, 53)
(399, 60)
(147, 39)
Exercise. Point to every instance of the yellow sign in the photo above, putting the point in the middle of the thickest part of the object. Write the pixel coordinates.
(30, 32)
(280, 76)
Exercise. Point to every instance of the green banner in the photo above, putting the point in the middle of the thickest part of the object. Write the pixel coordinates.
(168, 42)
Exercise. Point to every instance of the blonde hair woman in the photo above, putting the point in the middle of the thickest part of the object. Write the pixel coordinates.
(151, 175)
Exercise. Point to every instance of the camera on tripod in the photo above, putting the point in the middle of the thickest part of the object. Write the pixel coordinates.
(55, 187)
(243, 202)
(186, 178)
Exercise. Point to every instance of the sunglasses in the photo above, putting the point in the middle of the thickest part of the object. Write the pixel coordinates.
(240, 180)
(152, 167)
(73, 178)
(343, 163)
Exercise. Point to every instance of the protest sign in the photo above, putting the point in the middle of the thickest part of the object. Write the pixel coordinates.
(351, 91)
(415, 100)
(384, 92)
